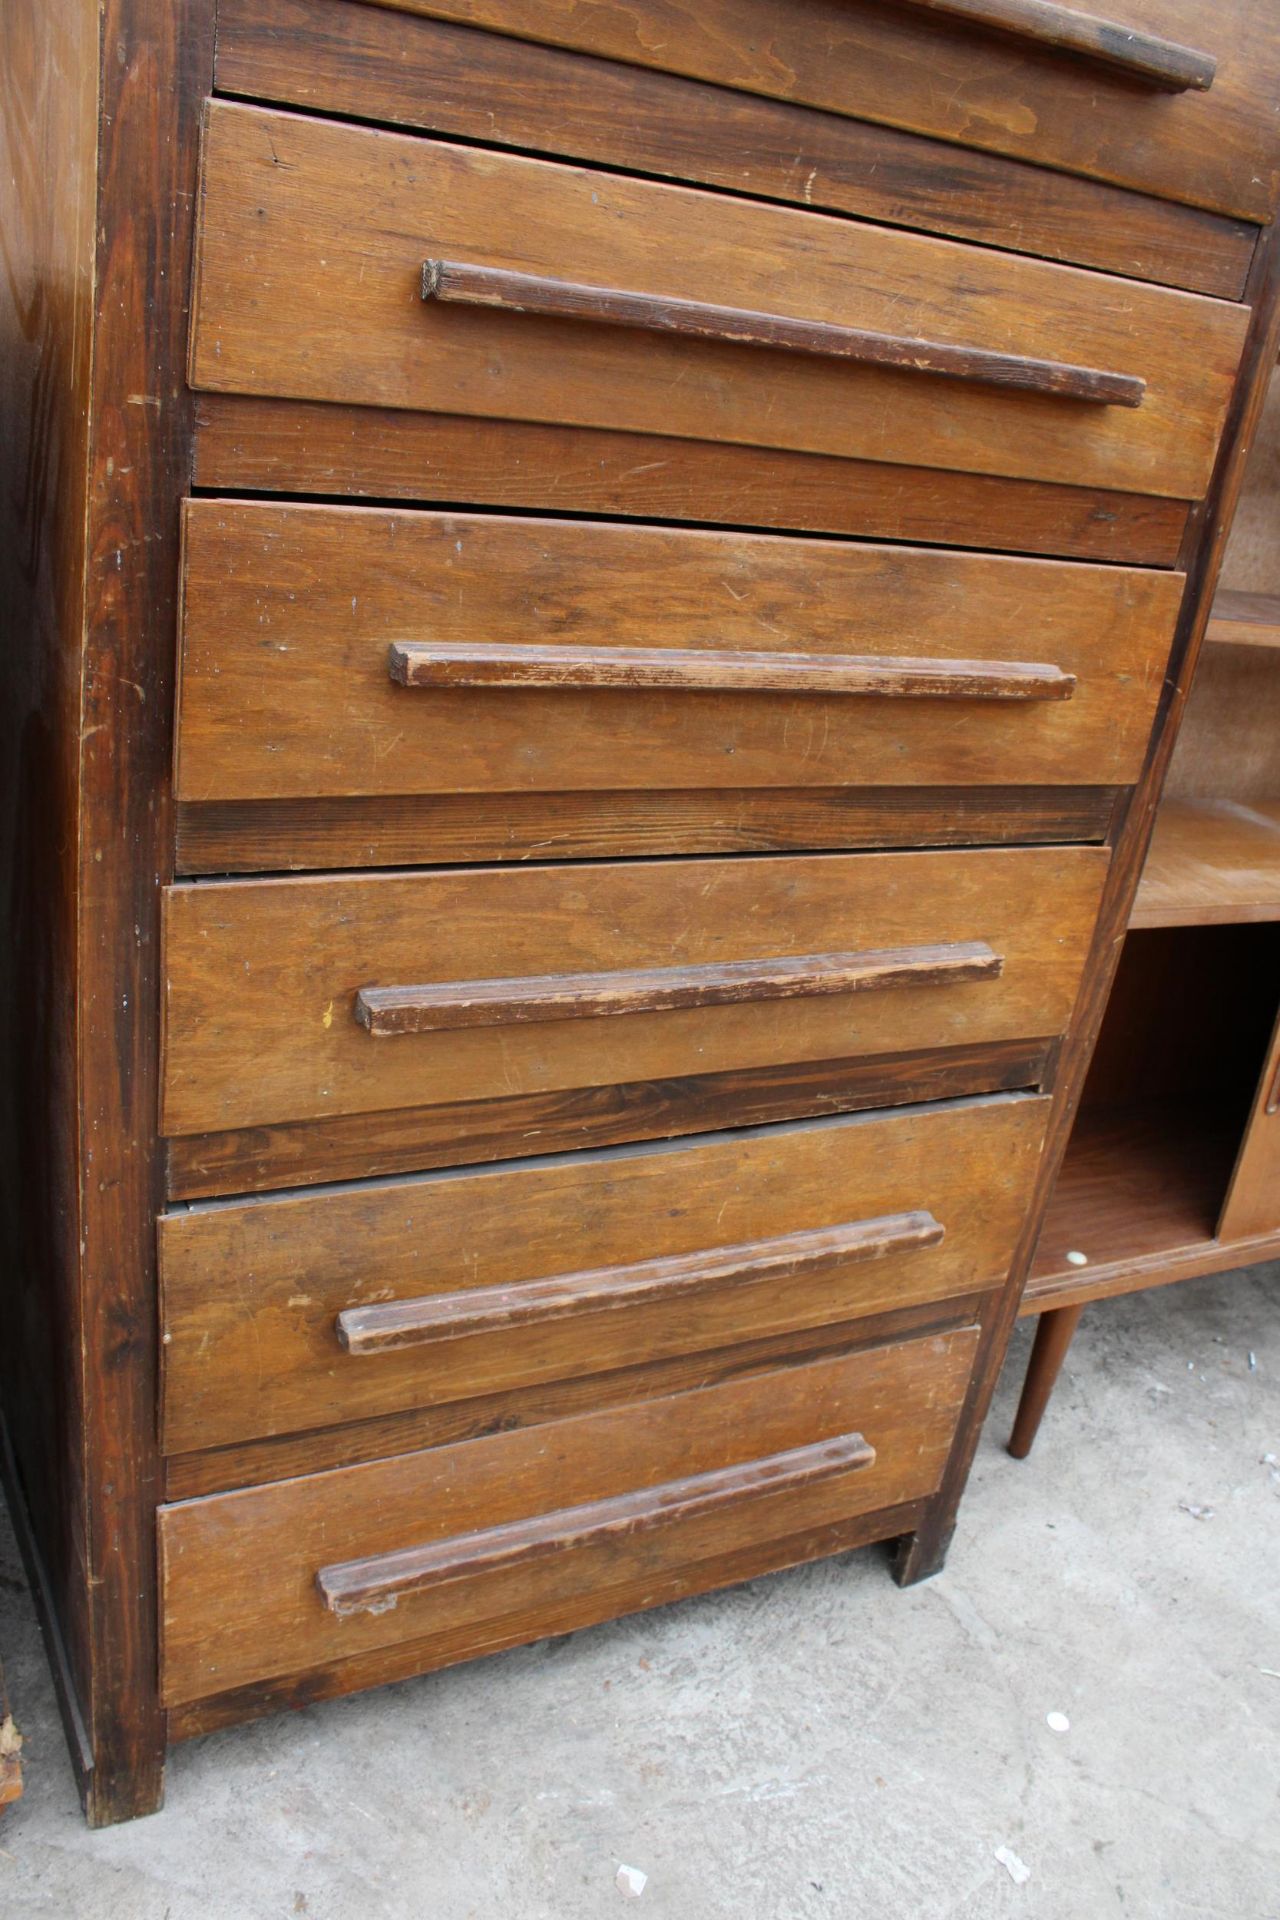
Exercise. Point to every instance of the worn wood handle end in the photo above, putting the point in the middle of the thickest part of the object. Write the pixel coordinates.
(503, 289)
(378, 1583)
(1164, 66)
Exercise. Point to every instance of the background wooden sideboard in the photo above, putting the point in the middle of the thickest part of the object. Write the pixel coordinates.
(1173, 1169)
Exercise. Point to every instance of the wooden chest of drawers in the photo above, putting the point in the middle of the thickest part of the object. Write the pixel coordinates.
(597, 599)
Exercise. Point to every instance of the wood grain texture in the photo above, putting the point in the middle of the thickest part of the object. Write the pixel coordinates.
(290, 611)
(924, 1551)
(937, 76)
(1139, 1194)
(904, 1398)
(1146, 58)
(158, 66)
(48, 184)
(378, 453)
(1210, 863)
(135, 457)
(284, 1456)
(89, 584)
(249, 1159)
(260, 1355)
(405, 1659)
(438, 664)
(387, 1011)
(297, 296)
(273, 836)
(438, 77)
(1252, 1205)
(374, 1585)
(390, 1327)
(498, 289)
(262, 975)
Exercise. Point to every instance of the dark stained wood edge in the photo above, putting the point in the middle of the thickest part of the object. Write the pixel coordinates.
(351, 1587)
(396, 1663)
(355, 1146)
(442, 77)
(462, 283)
(391, 1325)
(49, 77)
(285, 1455)
(435, 663)
(450, 1004)
(246, 444)
(1146, 58)
(922, 1552)
(273, 836)
(156, 68)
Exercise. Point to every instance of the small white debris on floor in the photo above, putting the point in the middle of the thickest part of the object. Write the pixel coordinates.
(631, 1882)
(1253, 1363)
(1057, 1723)
(1018, 1870)
(1075, 1259)
(1197, 1513)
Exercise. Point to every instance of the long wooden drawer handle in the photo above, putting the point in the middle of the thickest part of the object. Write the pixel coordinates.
(375, 1585)
(434, 1007)
(450, 1316)
(472, 286)
(1160, 64)
(443, 665)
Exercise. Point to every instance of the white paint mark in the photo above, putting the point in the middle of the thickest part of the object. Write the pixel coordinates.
(1018, 1870)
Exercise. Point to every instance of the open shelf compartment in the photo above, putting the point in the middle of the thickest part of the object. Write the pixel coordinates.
(1163, 1117)
(1244, 619)
(1211, 862)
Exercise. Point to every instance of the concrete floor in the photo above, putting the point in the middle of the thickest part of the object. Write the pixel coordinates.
(817, 1744)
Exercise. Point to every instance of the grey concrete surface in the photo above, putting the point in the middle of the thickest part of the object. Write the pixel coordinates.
(817, 1744)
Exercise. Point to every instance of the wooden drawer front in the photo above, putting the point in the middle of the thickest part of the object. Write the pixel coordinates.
(293, 999)
(437, 76)
(549, 656)
(930, 66)
(546, 1523)
(281, 1315)
(302, 292)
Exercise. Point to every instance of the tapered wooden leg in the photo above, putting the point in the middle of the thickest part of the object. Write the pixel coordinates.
(1053, 1337)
